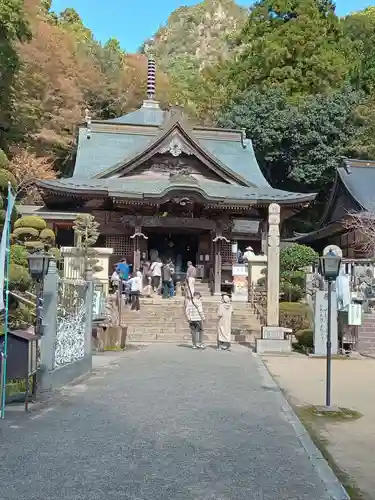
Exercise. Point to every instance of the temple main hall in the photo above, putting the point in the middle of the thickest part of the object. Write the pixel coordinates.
(156, 183)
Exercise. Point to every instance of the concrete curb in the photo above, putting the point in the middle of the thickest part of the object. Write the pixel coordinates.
(334, 488)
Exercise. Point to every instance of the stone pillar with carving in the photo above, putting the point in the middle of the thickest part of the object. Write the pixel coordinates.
(137, 237)
(218, 240)
(273, 265)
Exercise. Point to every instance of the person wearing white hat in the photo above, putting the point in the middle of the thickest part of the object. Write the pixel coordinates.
(248, 254)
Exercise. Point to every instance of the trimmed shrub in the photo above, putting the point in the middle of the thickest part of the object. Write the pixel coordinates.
(25, 233)
(31, 221)
(19, 278)
(18, 255)
(4, 162)
(305, 339)
(293, 261)
(295, 315)
(34, 245)
(47, 235)
(6, 177)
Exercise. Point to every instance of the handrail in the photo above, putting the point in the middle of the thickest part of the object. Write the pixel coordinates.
(22, 299)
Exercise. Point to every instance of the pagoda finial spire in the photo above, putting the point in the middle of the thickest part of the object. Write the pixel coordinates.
(151, 79)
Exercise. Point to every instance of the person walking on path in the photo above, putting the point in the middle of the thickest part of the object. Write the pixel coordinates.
(156, 274)
(135, 290)
(224, 326)
(195, 317)
(191, 274)
(167, 274)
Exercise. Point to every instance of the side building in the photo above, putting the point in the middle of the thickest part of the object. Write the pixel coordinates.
(353, 192)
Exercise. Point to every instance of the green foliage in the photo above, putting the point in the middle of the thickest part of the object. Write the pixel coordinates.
(295, 315)
(5, 178)
(21, 234)
(33, 245)
(87, 232)
(182, 36)
(18, 255)
(47, 235)
(32, 232)
(4, 162)
(13, 28)
(298, 46)
(19, 278)
(86, 229)
(20, 317)
(294, 259)
(305, 340)
(31, 221)
(298, 146)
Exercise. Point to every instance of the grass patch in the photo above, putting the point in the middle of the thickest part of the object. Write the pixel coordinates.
(312, 419)
(343, 414)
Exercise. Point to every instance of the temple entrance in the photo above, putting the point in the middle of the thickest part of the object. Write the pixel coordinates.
(180, 247)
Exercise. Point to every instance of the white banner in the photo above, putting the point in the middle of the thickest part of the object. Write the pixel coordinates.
(4, 245)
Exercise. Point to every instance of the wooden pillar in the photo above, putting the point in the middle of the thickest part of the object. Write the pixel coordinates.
(273, 265)
(217, 276)
(264, 237)
(219, 238)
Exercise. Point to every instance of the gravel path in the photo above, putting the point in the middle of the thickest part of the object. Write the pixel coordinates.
(163, 423)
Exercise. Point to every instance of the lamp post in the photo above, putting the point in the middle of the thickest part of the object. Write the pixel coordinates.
(330, 268)
(38, 269)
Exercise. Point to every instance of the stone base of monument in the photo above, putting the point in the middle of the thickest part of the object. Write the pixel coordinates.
(273, 340)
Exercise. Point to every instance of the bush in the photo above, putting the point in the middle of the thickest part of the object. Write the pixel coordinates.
(293, 261)
(305, 339)
(296, 257)
(47, 235)
(18, 255)
(24, 233)
(19, 278)
(4, 162)
(34, 245)
(21, 317)
(295, 316)
(6, 177)
(31, 221)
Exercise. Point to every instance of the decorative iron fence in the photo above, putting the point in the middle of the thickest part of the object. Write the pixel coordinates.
(71, 321)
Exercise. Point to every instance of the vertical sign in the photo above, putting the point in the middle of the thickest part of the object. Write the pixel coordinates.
(321, 323)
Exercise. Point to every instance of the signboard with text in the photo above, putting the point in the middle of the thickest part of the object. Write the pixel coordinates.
(321, 323)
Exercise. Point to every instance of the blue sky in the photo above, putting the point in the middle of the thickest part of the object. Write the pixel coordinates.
(132, 22)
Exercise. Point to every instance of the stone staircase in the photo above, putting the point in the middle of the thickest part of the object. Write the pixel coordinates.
(366, 336)
(164, 320)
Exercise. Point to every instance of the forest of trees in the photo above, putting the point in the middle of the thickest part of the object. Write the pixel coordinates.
(298, 78)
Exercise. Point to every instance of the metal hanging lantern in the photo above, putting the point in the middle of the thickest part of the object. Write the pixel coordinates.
(330, 266)
(38, 265)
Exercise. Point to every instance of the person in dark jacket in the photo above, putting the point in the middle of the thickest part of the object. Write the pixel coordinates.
(167, 274)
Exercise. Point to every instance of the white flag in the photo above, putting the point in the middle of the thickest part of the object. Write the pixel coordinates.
(4, 244)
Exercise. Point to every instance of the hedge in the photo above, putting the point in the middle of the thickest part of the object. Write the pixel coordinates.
(305, 339)
(295, 315)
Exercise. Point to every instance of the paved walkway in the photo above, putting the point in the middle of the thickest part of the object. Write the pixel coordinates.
(163, 423)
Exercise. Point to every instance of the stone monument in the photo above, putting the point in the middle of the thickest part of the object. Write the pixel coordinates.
(274, 338)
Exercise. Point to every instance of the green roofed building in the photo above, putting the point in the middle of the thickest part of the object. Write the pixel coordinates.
(153, 181)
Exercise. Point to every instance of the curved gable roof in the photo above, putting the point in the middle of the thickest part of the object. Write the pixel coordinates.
(358, 176)
(176, 123)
